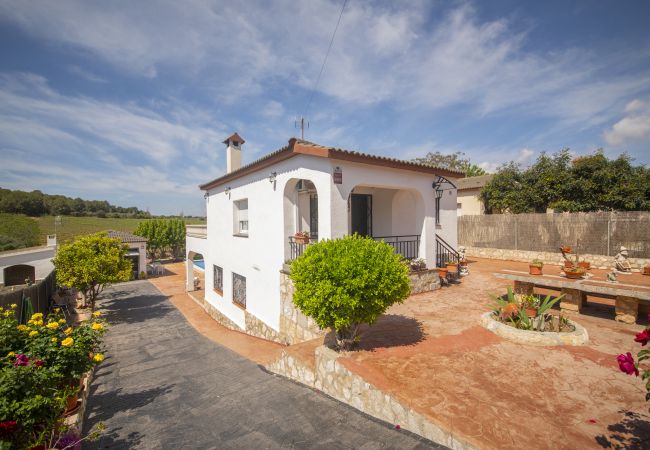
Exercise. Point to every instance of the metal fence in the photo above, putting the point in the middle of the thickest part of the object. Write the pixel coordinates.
(596, 233)
(39, 293)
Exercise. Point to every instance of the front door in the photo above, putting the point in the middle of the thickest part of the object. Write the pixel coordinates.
(361, 214)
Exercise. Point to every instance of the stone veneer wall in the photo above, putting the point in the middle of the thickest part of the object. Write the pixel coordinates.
(424, 281)
(597, 261)
(295, 327)
(335, 380)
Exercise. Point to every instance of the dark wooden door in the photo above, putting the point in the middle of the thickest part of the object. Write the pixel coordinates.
(361, 214)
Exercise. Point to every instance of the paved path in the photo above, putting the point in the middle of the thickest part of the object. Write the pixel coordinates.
(165, 386)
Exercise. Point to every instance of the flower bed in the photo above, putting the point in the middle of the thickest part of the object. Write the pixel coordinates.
(526, 319)
(41, 366)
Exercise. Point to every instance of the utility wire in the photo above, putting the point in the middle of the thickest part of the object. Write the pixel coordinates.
(311, 96)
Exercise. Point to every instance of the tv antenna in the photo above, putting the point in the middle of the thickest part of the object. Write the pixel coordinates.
(301, 124)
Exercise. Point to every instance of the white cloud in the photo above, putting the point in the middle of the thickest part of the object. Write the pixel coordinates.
(273, 110)
(86, 74)
(382, 53)
(524, 156)
(634, 127)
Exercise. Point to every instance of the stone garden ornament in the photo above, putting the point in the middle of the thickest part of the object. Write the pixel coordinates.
(464, 271)
(622, 262)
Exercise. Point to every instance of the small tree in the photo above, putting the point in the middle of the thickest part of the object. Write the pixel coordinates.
(346, 282)
(91, 263)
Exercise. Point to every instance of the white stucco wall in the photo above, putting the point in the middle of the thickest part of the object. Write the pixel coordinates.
(260, 256)
(470, 201)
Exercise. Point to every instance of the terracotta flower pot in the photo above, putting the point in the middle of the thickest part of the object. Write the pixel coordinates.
(443, 272)
(531, 312)
(646, 270)
(574, 274)
(301, 239)
(463, 264)
(585, 265)
(72, 403)
(452, 267)
(534, 270)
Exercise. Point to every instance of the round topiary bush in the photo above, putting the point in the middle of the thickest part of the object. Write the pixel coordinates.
(343, 283)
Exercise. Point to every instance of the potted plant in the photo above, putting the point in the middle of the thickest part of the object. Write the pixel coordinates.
(417, 265)
(535, 267)
(646, 270)
(301, 237)
(575, 272)
(584, 264)
(452, 266)
(530, 303)
(443, 272)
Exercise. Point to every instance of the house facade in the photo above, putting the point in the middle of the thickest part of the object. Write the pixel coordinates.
(254, 211)
(469, 195)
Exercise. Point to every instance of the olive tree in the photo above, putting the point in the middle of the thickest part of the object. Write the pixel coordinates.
(91, 263)
(344, 283)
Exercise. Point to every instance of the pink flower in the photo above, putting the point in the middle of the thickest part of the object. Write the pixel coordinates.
(7, 427)
(21, 360)
(626, 364)
(643, 337)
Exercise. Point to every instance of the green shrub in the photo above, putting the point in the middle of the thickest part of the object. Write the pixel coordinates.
(346, 282)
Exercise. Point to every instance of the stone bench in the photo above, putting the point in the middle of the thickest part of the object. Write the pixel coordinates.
(628, 296)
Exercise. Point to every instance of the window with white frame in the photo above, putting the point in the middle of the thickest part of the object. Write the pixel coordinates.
(240, 217)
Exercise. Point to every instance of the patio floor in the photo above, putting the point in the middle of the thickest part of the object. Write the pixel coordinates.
(432, 355)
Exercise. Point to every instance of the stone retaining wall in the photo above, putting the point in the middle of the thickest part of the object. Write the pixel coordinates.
(424, 281)
(295, 327)
(335, 380)
(597, 261)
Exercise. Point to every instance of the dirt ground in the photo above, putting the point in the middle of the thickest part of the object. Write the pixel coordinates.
(431, 353)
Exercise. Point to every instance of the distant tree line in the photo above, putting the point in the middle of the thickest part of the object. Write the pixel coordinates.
(567, 184)
(165, 237)
(36, 203)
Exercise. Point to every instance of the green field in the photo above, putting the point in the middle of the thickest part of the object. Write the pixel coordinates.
(75, 226)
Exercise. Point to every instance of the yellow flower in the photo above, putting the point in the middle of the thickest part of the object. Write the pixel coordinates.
(33, 333)
(97, 326)
(98, 357)
(22, 327)
(11, 354)
(37, 316)
(56, 310)
(30, 322)
(53, 325)
(67, 342)
(97, 314)
(38, 323)
(14, 306)
(7, 313)
(68, 330)
(55, 340)
(61, 321)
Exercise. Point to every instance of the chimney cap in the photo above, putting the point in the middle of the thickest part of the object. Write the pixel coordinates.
(234, 137)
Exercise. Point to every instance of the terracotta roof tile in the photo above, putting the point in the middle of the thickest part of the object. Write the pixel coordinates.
(125, 237)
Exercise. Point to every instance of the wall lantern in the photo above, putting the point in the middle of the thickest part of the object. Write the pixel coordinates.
(272, 177)
(439, 193)
(227, 191)
(442, 184)
(206, 195)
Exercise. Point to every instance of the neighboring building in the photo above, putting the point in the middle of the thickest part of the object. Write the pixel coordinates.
(469, 202)
(137, 250)
(254, 211)
(34, 263)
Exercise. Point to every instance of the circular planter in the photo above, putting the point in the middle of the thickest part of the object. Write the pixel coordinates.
(534, 270)
(301, 239)
(543, 338)
(574, 274)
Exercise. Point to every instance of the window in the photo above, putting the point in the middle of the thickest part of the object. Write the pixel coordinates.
(240, 216)
(239, 290)
(218, 279)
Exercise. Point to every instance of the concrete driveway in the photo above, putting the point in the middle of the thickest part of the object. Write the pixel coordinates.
(165, 386)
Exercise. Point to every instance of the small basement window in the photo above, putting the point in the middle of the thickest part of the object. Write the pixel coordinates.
(217, 283)
(240, 217)
(239, 290)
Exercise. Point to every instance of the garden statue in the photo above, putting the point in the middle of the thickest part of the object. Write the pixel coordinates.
(464, 271)
(621, 261)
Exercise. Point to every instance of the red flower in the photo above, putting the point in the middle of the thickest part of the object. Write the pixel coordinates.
(7, 427)
(39, 363)
(643, 337)
(626, 364)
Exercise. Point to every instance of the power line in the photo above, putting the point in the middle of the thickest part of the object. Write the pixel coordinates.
(322, 68)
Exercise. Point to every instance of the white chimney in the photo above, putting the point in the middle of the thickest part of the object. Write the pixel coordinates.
(233, 152)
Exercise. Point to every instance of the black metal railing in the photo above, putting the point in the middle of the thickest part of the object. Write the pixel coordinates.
(407, 245)
(298, 248)
(445, 253)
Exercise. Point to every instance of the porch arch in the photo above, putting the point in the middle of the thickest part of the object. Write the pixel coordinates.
(300, 214)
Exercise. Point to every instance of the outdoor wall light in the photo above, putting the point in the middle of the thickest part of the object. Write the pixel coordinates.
(272, 177)
(206, 195)
(439, 193)
(227, 190)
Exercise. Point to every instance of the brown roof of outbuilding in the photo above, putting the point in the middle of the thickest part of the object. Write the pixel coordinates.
(473, 182)
(125, 237)
(234, 137)
(302, 147)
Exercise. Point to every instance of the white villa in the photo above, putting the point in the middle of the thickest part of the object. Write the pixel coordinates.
(254, 211)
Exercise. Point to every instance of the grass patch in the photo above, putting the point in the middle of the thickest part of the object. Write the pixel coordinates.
(76, 226)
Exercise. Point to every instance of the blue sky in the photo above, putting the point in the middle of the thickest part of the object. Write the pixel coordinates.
(129, 101)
